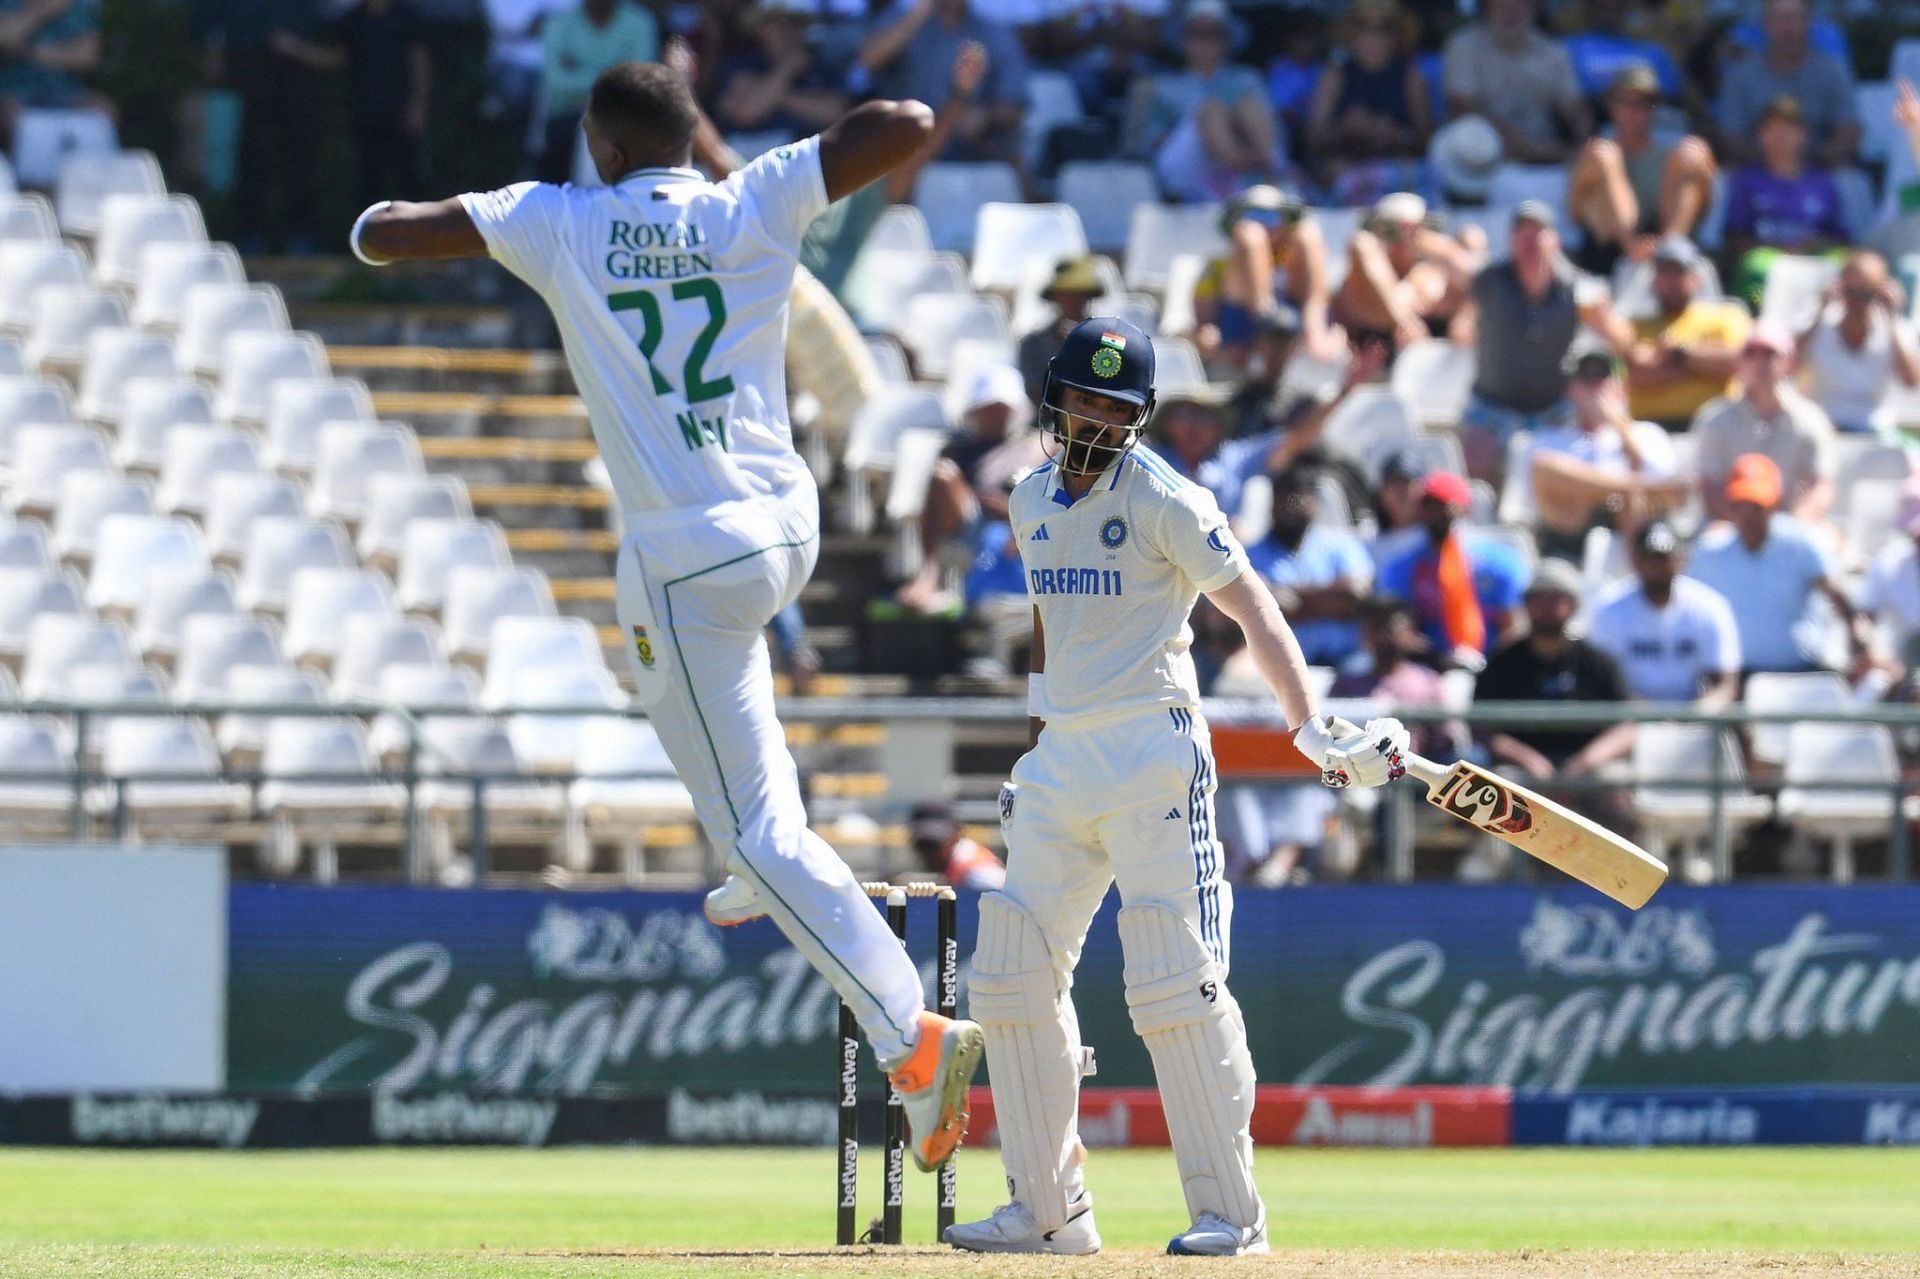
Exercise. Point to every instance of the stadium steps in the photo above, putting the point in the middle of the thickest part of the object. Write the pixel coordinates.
(474, 414)
(403, 325)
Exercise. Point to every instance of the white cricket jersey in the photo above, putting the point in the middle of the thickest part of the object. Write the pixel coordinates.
(670, 292)
(1115, 574)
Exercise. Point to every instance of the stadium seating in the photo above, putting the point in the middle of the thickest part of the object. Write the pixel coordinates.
(27, 266)
(1675, 798)
(321, 789)
(1840, 780)
(624, 783)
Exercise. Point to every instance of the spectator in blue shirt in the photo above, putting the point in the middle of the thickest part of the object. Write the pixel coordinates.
(1774, 574)
(912, 54)
(1603, 49)
(1464, 590)
(50, 47)
(781, 85)
(1212, 125)
(1318, 574)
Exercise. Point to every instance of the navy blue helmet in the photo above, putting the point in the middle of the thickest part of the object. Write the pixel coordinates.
(1106, 357)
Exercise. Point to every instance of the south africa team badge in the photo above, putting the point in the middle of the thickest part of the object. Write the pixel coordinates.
(1113, 534)
(643, 647)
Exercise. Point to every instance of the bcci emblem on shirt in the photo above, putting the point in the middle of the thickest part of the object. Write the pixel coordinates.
(1113, 534)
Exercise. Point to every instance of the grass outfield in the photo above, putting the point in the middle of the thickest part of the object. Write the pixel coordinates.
(592, 1213)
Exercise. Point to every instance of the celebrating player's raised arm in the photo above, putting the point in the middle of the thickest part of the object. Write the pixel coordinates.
(871, 141)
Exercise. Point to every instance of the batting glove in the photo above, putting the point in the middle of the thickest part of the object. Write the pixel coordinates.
(1349, 756)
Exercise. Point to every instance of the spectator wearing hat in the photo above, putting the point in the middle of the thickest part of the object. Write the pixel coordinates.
(1523, 315)
(1464, 591)
(1638, 183)
(949, 852)
(1774, 574)
(1189, 429)
(1211, 124)
(915, 52)
(1768, 415)
(1317, 573)
(1602, 463)
(1889, 593)
(1686, 353)
(1858, 346)
(1071, 291)
(1463, 154)
(1275, 255)
(1371, 116)
(1779, 204)
(1673, 637)
(1504, 68)
(1404, 279)
(1547, 664)
(780, 84)
(969, 487)
(1790, 67)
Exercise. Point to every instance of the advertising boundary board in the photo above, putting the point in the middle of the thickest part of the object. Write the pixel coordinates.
(1399, 1118)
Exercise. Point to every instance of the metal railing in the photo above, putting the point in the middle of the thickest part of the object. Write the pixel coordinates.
(917, 757)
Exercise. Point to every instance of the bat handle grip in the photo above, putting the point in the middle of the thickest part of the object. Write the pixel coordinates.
(1423, 768)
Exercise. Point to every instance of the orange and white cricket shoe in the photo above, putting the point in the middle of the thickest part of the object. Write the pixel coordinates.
(933, 1082)
(736, 901)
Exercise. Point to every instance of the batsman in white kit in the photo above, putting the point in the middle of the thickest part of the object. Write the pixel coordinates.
(670, 292)
(1118, 788)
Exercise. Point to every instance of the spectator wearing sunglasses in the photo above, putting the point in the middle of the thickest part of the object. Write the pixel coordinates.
(1275, 255)
(1686, 352)
(1372, 114)
(1603, 466)
(1858, 346)
(1767, 416)
(1638, 182)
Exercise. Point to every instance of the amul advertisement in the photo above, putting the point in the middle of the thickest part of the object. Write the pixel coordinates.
(1546, 992)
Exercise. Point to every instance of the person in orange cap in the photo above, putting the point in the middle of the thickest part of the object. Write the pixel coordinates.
(1773, 571)
(1465, 591)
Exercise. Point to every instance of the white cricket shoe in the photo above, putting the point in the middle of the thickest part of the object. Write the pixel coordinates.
(735, 902)
(1012, 1228)
(1214, 1236)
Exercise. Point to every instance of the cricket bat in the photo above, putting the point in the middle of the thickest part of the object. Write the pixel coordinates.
(1541, 828)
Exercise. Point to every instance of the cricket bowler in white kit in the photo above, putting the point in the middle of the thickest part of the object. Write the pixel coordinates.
(670, 292)
(1118, 788)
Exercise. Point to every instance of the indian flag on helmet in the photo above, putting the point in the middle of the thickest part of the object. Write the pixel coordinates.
(1114, 340)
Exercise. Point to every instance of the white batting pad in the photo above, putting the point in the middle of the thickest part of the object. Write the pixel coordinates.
(1033, 1043)
(1192, 1027)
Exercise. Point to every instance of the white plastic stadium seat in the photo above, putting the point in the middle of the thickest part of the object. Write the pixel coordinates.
(528, 643)
(1774, 692)
(255, 361)
(86, 180)
(516, 804)
(1368, 424)
(550, 742)
(433, 548)
(31, 397)
(27, 594)
(874, 435)
(195, 455)
(1793, 289)
(26, 266)
(393, 500)
(36, 772)
(113, 358)
(369, 649)
(86, 498)
(935, 322)
(242, 735)
(1105, 193)
(1008, 236)
(949, 195)
(412, 687)
(624, 782)
(1177, 363)
(1839, 787)
(13, 358)
(1435, 377)
(131, 549)
(1161, 232)
(321, 789)
(479, 597)
(57, 643)
(169, 268)
(1668, 754)
(882, 284)
(215, 645)
(43, 457)
(278, 546)
(166, 776)
(172, 597)
(1052, 101)
(150, 407)
(323, 604)
(353, 453)
(296, 410)
(129, 223)
(236, 499)
(23, 544)
(210, 314)
(64, 317)
(1514, 184)
(901, 227)
(27, 218)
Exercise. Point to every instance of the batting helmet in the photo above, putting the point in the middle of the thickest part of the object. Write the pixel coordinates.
(1110, 359)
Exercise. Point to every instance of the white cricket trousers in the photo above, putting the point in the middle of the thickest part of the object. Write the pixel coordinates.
(694, 593)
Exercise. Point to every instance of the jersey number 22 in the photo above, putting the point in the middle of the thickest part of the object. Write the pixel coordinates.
(699, 388)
